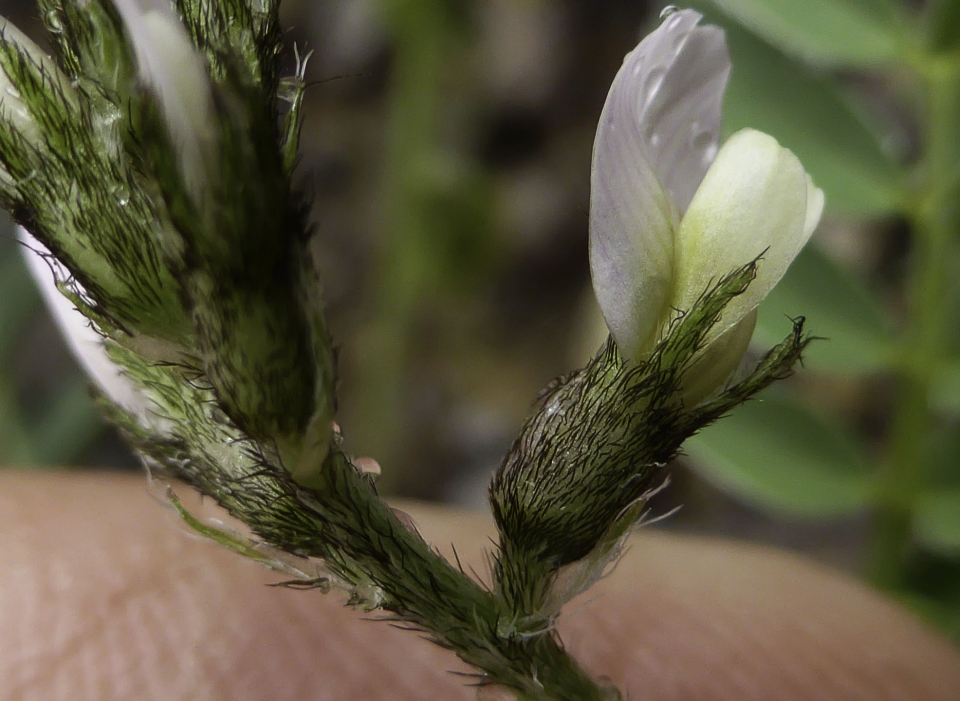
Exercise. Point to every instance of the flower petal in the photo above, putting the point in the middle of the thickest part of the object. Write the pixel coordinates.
(657, 135)
(718, 362)
(175, 72)
(83, 340)
(815, 202)
(631, 244)
(678, 75)
(755, 200)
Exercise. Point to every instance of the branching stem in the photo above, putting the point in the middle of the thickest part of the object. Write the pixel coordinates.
(361, 534)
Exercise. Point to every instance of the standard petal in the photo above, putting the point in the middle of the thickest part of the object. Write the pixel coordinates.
(676, 78)
(632, 224)
(85, 343)
(754, 201)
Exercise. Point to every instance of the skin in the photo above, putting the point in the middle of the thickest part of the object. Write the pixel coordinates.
(104, 596)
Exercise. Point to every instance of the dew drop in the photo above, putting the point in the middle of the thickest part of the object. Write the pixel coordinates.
(54, 23)
(703, 143)
(710, 153)
(667, 11)
(27, 178)
(654, 81)
(121, 194)
(12, 92)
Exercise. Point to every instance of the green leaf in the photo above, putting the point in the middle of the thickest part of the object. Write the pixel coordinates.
(944, 615)
(936, 520)
(808, 115)
(946, 389)
(943, 25)
(936, 517)
(848, 33)
(16, 449)
(941, 455)
(776, 454)
(838, 308)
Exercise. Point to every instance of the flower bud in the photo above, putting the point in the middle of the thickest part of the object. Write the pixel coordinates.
(595, 446)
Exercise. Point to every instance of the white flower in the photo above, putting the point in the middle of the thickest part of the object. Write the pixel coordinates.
(670, 213)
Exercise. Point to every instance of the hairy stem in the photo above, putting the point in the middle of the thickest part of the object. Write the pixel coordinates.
(364, 540)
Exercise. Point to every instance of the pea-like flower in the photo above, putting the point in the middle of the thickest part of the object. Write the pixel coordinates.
(672, 213)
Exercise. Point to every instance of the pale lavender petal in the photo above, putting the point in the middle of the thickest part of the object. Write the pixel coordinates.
(631, 240)
(657, 135)
(677, 77)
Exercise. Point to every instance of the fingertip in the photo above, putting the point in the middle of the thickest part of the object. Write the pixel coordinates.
(102, 595)
(686, 618)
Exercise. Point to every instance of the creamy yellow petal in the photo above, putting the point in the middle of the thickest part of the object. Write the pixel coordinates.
(756, 200)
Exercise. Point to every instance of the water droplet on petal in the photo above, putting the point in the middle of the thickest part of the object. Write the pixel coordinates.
(53, 22)
(667, 11)
(654, 81)
(703, 143)
(710, 153)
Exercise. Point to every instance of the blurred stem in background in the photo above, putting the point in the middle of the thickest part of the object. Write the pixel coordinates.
(434, 218)
(920, 356)
(419, 30)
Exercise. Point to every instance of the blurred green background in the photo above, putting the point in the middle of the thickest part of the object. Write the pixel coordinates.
(447, 144)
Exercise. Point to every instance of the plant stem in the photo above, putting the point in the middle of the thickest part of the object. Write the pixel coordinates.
(369, 544)
(920, 353)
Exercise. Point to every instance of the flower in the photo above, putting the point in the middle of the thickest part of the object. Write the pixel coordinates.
(670, 212)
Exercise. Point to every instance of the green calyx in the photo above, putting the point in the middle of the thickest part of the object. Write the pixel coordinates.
(598, 440)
